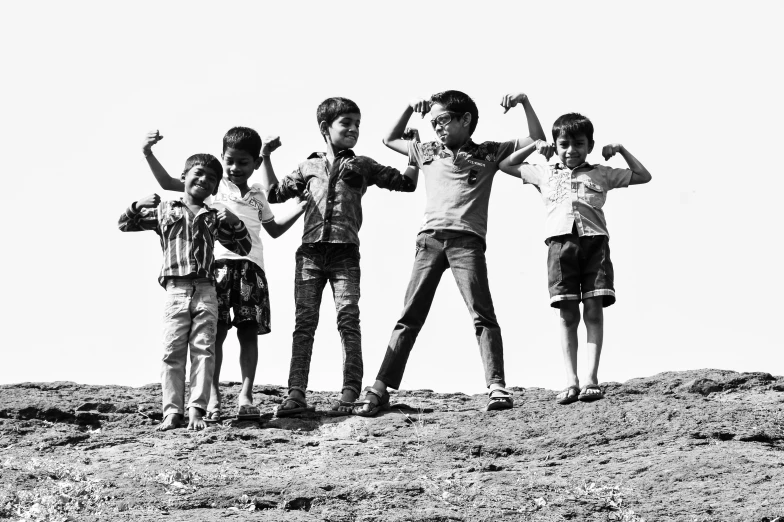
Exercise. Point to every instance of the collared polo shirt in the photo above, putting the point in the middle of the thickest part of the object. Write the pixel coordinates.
(574, 198)
(458, 187)
(253, 209)
(333, 213)
(187, 239)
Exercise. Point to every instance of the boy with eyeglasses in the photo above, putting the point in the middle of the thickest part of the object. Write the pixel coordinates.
(458, 177)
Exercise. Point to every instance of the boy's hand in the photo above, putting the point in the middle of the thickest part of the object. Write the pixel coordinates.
(225, 216)
(151, 201)
(421, 106)
(608, 151)
(511, 100)
(151, 139)
(411, 134)
(545, 149)
(270, 144)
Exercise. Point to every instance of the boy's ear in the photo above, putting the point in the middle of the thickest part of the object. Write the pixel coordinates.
(323, 127)
(217, 186)
(466, 119)
(590, 147)
(257, 163)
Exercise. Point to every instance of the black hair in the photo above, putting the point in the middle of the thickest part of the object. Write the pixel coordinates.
(330, 109)
(243, 138)
(572, 124)
(460, 102)
(204, 160)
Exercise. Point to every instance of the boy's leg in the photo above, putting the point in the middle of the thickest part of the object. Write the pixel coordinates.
(223, 273)
(309, 282)
(593, 315)
(429, 264)
(176, 325)
(214, 404)
(344, 277)
(567, 332)
(248, 337)
(204, 313)
(466, 256)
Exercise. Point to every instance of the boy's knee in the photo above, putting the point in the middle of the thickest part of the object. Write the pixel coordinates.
(570, 314)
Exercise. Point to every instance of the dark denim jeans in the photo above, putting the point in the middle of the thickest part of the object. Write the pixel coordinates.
(465, 255)
(318, 263)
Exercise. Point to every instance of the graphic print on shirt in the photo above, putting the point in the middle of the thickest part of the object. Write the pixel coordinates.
(559, 182)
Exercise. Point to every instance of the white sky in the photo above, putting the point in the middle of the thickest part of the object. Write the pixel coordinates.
(692, 89)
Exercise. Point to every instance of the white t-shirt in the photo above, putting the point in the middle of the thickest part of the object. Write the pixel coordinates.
(253, 210)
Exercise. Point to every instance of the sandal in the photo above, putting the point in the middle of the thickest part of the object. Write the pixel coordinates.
(335, 410)
(213, 417)
(248, 412)
(302, 407)
(500, 399)
(568, 396)
(590, 397)
(381, 405)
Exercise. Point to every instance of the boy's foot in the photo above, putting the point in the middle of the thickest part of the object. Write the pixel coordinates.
(196, 419)
(590, 393)
(568, 396)
(500, 399)
(248, 412)
(171, 422)
(213, 417)
(344, 405)
(295, 403)
(374, 402)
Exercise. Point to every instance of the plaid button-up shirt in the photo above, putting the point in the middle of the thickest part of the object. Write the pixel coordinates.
(334, 202)
(187, 240)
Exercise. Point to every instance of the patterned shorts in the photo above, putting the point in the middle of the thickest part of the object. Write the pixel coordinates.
(242, 287)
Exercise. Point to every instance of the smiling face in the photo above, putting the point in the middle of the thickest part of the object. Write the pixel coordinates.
(573, 149)
(239, 165)
(454, 133)
(343, 133)
(201, 182)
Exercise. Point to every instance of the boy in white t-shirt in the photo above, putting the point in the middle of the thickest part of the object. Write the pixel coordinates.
(240, 280)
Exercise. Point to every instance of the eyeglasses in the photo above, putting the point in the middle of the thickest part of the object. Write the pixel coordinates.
(443, 119)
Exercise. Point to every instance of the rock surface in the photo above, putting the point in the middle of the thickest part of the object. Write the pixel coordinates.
(703, 445)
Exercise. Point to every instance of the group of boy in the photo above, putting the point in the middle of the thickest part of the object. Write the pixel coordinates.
(205, 287)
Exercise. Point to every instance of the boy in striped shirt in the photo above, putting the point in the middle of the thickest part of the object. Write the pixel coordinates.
(188, 229)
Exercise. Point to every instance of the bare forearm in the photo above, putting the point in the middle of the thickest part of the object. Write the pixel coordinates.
(535, 131)
(268, 177)
(394, 138)
(280, 224)
(640, 173)
(164, 179)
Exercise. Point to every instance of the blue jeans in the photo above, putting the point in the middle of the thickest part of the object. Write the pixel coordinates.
(318, 263)
(190, 318)
(465, 255)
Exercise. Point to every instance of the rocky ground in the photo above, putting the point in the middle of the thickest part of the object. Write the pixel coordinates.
(702, 445)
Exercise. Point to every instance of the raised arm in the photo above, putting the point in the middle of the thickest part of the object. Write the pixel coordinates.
(640, 174)
(535, 131)
(268, 145)
(164, 180)
(138, 218)
(395, 139)
(511, 164)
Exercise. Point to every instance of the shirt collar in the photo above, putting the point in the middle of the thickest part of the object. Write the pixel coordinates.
(181, 203)
(466, 147)
(345, 153)
(561, 166)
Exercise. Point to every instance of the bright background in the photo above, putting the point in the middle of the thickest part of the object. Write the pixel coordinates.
(690, 88)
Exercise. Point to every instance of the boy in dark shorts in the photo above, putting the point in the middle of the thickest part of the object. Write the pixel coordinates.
(188, 229)
(241, 282)
(578, 259)
(333, 183)
(458, 177)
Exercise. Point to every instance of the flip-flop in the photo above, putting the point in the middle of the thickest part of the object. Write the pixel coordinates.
(590, 397)
(337, 403)
(500, 399)
(302, 407)
(213, 417)
(571, 394)
(248, 412)
(383, 403)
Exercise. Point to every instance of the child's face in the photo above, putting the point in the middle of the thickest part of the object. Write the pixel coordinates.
(201, 182)
(344, 131)
(239, 165)
(573, 150)
(456, 131)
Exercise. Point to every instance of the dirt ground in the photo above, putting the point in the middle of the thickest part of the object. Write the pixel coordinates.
(703, 445)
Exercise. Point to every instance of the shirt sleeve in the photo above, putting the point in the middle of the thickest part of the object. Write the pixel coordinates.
(415, 153)
(134, 220)
(505, 148)
(265, 213)
(616, 178)
(235, 238)
(388, 177)
(533, 173)
(289, 187)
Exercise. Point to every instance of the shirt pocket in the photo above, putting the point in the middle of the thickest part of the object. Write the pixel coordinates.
(353, 179)
(593, 194)
(172, 223)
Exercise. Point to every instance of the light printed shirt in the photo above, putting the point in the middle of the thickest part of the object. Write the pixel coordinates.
(574, 198)
(187, 240)
(333, 213)
(253, 209)
(458, 187)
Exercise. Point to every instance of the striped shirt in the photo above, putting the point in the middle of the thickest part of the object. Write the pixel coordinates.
(187, 240)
